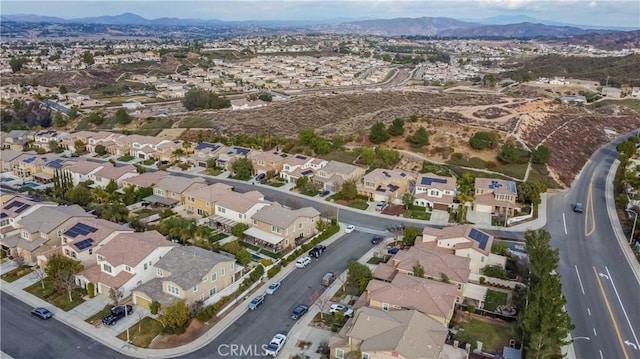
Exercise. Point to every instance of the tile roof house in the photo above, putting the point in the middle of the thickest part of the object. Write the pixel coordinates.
(386, 185)
(82, 236)
(435, 192)
(144, 180)
(201, 200)
(433, 298)
(82, 171)
(109, 172)
(334, 174)
(8, 159)
(296, 166)
(234, 207)
(203, 152)
(435, 264)
(171, 189)
(230, 154)
(406, 334)
(495, 196)
(463, 241)
(277, 227)
(265, 161)
(16, 140)
(125, 262)
(189, 273)
(15, 208)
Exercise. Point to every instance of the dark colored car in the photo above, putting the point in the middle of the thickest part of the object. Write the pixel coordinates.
(42, 313)
(116, 314)
(393, 250)
(578, 207)
(299, 311)
(376, 239)
(317, 250)
(324, 193)
(260, 177)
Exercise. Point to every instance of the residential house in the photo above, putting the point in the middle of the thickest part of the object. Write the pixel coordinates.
(386, 185)
(49, 170)
(436, 264)
(30, 165)
(376, 334)
(125, 262)
(16, 140)
(435, 192)
(430, 297)
(297, 166)
(189, 273)
(463, 241)
(201, 200)
(495, 196)
(109, 172)
(611, 92)
(16, 207)
(83, 237)
(277, 227)
(44, 138)
(8, 159)
(232, 208)
(334, 174)
(144, 180)
(230, 154)
(171, 189)
(145, 147)
(203, 152)
(82, 171)
(267, 161)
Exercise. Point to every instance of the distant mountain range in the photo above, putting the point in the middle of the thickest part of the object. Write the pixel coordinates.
(501, 26)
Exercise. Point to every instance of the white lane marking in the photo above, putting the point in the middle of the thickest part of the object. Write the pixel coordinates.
(622, 306)
(564, 221)
(589, 311)
(579, 280)
(594, 332)
(601, 357)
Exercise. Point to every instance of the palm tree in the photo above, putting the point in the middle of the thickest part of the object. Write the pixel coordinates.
(179, 153)
(115, 212)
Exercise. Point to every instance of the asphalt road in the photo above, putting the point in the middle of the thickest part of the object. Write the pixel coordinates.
(27, 337)
(601, 290)
(253, 329)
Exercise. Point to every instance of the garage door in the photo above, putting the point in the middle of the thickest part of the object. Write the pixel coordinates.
(483, 208)
(104, 289)
(141, 301)
(440, 206)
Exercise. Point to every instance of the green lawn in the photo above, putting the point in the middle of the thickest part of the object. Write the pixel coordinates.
(276, 184)
(58, 298)
(359, 204)
(142, 333)
(101, 314)
(342, 156)
(149, 162)
(270, 254)
(145, 212)
(16, 274)
(126, 158)
(214, 171)
(218, 237)
(514, 170)
(195, 123)
(154, 123)
(494, 337)
(310, 192)
(419, 214)
(493, 299)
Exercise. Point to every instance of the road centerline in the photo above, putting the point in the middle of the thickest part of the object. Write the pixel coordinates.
(579, 280)
(613, 319)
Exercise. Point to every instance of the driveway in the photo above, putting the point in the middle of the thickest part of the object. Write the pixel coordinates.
(479, 218)
(439, 217)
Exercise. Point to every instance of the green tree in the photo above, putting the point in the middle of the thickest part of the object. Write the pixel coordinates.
(529, 191)
(512, 154)
(301, 182)
(349, 191)
(306, 136)
(176, 316)
(199, 99)
(115, 212)
(111, 187)
(483, 139)
(388, 156)
(58, 120)
(368, 155)
(378, 133)
(16, 64)
(242, 168)
(495, 271)
(73, 112)
(359, 275)
(79, 195)
(489, 80)
(627, 148)
(266, 97)
(122, 117)
(420, 138)
(97, 118)
(87, 57)
(409, 235)
(418, 270)
(238, 230)
(243, 257)
(101, 150)
(62, 89)
(407, 199)
(397, 127)
(62, 272)
(321, 146)
(541, 155)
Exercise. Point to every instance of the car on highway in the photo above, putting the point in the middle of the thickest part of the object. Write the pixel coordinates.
(256, 302)
(275, 345)
(273, 287)
(578, 207)
(376, 239)
(299, 311)
(337, 307)
(350, 228)
(42, 313)
(316, 251)
(116, 314)
(303, 262)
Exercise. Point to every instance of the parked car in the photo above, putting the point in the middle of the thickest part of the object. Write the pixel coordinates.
(376, 239)
(299, 311)
(380, 205)
(327, 279)
(275, 345)
(393, 250)
(317, 250)
(335, 308)
(273, 287)
(260, 177)
(303, 262)
(256, 302)
(324, 193)
(350, 228)
(116, 314)
(42, 313)
(578, 207)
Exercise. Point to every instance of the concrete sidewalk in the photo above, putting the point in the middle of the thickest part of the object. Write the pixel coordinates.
(75, 318)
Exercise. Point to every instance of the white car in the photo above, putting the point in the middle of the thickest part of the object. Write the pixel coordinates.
(273, 287)
(303, 262)
(273, 348)
(335, 308)
(350, 228)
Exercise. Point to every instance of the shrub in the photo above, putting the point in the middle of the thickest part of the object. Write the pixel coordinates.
(273, 271)
(154, 307)
(471, 309)
(265, 262)
(91, 292)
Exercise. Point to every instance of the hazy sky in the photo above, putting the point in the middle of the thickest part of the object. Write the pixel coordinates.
(587, 12)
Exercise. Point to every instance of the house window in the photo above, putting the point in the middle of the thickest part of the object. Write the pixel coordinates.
(201, 296)
(100, 258)
(205, 279)
(459, 286)
(25, 234)
(106, 268)
(482, 259)
(127, 268)
(191, 199)
(365, 355)
(221, 210)
(457, 299)
(145, 266)
(339, 353)
(159, 192)
(385, 306)
(222, 272)
(160, 273)
(276, 229)
(255, 222)
(208, 204)
(212, 291)
(240, 215)
(299, 225)
(195, 288)
(214, 277)
(173, 290)
(369, 184)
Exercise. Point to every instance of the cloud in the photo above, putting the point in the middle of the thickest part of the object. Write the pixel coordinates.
(593, 4)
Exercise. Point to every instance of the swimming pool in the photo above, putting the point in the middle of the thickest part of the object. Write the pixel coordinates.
(6, 179)
(31, 185)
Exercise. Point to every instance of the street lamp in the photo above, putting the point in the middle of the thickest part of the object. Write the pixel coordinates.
(634, 224)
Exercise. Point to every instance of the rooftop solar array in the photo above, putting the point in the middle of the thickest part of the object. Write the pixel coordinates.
(207, 145)
(241, 150)
(307, 172)
(19, 206)
(480, 237)
(29, 160)
(300, 157)
(84, 244)
(3, 215)
(80, 229)
(392, 188)
(430, 180)
(511, 186)
(403, 174)
(23, 208)
(57, 164)
(386, 174)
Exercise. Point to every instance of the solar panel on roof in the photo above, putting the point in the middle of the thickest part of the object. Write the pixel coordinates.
(386, 174)
(300, 157)
(205, 145)
(307, 172)
(29, 160)
(56, 164)
(13, 204)
(87, 228)
(71, 233)
(393, 188)
(23, 208)
(84, 244)
(429, 180)
(511, 186)
(403, 174)
(3, 215)
(480, 237)
(241, 151)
